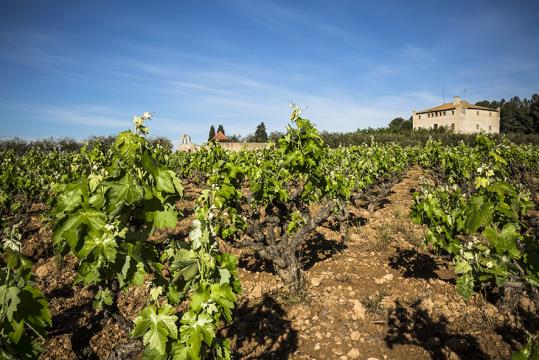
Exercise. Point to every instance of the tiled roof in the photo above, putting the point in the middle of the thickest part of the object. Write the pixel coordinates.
(451, 106)
(220, 137)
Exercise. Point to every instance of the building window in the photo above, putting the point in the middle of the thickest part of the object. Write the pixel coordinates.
(490, 128)
(477, 127)
(478, 113)
(420, 116)
(452, 112)
(453, 127)
(444, 113)
(489, 114)
(436, 126)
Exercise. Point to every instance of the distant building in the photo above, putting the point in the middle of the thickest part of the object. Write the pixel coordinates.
(459, 116)
(220, 137)
(186, 145)
(185, 139)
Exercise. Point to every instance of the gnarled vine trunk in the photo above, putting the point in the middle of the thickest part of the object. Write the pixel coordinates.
(282, 248)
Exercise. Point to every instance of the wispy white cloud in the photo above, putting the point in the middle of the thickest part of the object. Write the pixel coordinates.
(343, 87)
(93, 115)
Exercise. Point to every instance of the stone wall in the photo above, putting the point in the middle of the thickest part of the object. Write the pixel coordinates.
(237, 146)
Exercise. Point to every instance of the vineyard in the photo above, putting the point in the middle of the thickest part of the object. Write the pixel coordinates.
(296, 251)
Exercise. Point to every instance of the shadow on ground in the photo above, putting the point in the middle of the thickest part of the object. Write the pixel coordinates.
(414, 264)
(318, 248)
(518, 303)
(415, 326)
(254, 263)
(261, 331)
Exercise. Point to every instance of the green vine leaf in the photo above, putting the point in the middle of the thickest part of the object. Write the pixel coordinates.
(156, 325)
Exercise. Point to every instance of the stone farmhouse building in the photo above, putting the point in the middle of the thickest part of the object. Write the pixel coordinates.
(458, 116)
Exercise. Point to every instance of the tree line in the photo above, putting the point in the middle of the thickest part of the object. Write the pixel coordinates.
(517, 115)
(260, 135)
(66, 144)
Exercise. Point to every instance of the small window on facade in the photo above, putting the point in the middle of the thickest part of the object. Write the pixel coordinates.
(477, 113)
(477, 127)
(489, 113)
(452, 126)
(490, 128)
(444, 113)
(452, 112)
(436, 126)
(420, 116)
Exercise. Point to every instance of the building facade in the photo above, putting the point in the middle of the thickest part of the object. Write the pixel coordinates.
(458, 116)
(186, 145)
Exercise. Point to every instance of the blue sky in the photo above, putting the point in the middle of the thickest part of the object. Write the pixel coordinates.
(82, 68)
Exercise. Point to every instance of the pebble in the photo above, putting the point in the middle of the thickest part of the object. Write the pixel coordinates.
(42, 271)
(316, 346)
(353, 354)
(355, 335)
(383, 279)
(359, 310)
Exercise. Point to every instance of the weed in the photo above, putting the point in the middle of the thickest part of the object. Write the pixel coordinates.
(373, 304)
(290, 298)
(344, 278)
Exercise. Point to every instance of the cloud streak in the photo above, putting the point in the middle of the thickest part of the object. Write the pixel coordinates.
(242, 62)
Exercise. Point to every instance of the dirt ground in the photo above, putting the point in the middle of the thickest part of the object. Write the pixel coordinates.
(380, 295)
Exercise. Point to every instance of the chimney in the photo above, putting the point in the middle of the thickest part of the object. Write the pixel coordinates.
(456, 100)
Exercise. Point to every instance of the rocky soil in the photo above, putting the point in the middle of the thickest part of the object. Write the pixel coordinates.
(379, 295)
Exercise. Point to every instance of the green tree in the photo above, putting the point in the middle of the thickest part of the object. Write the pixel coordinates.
(275, 136)
(260, 134)
(221, 129)
(534, 112)
(234, 138)
(211, 135)
(399, 124)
